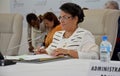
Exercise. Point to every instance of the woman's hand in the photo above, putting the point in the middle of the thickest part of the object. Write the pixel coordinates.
(63, 52)
(60, 52)
(40, 50)
(31, 48)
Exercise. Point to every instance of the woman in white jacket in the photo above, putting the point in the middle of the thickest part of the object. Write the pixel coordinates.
(72, 40)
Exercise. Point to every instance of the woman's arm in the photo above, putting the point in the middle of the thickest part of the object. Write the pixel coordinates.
(88, 49)
(29, 38)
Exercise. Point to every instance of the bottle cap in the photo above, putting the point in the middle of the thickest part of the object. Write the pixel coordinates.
(104, 38)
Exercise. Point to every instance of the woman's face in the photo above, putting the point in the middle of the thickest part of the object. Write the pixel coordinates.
(109, 6)
(48, 24)
(67, 21)
(35, 23)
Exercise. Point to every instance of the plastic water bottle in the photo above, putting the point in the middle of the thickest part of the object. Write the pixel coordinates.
(105, 49)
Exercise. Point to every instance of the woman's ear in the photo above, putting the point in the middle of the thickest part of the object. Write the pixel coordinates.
(76, 19)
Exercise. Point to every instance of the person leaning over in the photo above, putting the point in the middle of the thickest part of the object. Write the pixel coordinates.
(72, 40)
(115, 6)
(52, 24)
(35, 29)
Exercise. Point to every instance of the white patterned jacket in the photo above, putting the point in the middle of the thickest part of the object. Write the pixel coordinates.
(81, 41)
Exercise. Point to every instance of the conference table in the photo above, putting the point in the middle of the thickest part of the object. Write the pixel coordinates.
(67, 67)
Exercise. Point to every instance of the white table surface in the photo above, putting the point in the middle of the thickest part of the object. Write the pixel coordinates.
(70, 67)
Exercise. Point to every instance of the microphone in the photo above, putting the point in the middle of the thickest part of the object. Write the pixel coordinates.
(4, 62)
(3, 59)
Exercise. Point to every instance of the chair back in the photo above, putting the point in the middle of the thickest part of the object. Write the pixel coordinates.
(102, 22)
(10, 33)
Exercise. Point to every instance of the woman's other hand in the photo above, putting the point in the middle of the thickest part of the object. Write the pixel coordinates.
(31, 48)
(64, 52)
(40, 50)
(59, 52)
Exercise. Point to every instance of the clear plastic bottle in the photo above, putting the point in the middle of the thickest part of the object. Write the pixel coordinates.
(105, 49)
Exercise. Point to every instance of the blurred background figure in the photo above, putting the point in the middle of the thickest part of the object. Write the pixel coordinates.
(111, 5)
(36, 31)
(52, 24)
(115, 6)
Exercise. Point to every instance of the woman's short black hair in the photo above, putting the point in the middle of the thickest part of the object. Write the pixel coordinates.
(30, 17)
(74, 10)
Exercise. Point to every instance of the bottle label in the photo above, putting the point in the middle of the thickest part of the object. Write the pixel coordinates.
(103, 56)
(105, 53)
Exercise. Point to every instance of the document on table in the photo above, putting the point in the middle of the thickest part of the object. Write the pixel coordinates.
(29, 57)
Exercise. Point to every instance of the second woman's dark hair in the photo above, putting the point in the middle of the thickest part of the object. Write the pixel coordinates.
(74, 10)
(51, 17)
(30, 17)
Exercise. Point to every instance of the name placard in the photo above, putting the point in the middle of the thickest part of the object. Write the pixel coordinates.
(104, 69)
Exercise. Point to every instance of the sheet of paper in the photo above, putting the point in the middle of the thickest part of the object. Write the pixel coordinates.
(29, 57)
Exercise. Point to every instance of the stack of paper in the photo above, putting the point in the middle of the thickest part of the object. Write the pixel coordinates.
(29, 57)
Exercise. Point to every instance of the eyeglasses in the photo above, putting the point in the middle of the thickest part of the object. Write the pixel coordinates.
(64, 17)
